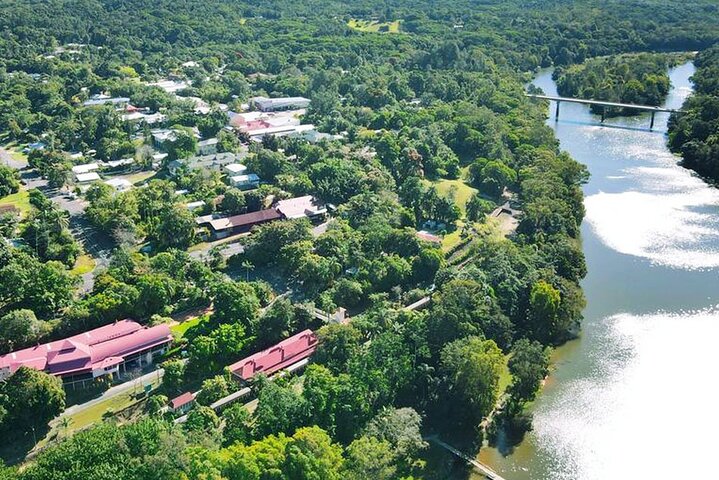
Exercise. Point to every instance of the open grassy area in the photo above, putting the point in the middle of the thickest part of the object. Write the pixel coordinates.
(84, 264)
(21, 201)
(139, 177)
(179, 330)
(505, 378)
(373, 26)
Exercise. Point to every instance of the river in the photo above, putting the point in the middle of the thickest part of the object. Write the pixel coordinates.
(635, 395)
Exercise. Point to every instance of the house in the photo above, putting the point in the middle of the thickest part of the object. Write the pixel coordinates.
(195, 205)
(426, 236)
(234, 169)
(97, 100)
(34, 146)
(170, 86)
(88, 167)
(88, 177)
(276, 104)
(286, 353)
(301, 207)
(205, 162)
(245, 182)
(162, 135)
(281, 131)
(117, 164)
(105, 351)
(224, 227)
(207, 147)
(119, 184)
(182, 403)
(157, 159)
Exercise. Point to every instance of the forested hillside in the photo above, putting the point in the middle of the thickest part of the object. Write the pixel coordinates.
(424, 125)
(693, 134)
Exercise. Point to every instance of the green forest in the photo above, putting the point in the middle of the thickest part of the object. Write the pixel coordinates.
(426, 127)
(693, 133)
(640, 79)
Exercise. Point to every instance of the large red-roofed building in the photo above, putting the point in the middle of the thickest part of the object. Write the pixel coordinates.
(106, 350)
(286, 353)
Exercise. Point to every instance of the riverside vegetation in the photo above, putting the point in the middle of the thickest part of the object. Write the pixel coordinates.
(440, 97)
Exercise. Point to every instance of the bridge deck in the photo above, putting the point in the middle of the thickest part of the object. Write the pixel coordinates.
(648, 108)
(486, 471)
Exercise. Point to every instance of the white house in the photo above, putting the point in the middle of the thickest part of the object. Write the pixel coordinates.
(88, 167)
(301, 207)
(274, 104)
(245, 181)
(119, 184)
(207, 147)
(88, 177)
(234, 169)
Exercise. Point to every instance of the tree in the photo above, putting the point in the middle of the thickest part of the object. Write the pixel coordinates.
(400, 427)
(212, 390)
(544, 301)
(33, 398)
(176, 228)
(528, 364)
(263, 459)
(202, 419)
(227, 142)
(337, 344)
(472, 366)
(369, 457)
(312, 456)
(233, 202)
(210, 124)
(174, 375)
(235, 302)
(20, 328)
(184, 145)
(279, 409)
(237, 427)
(477, 208)
(9, 181)
(277, 323)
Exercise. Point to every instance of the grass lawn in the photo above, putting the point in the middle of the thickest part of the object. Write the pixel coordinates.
(94, 414)
(373, 26)
(505, 378)
(84, 264)
(21, 201)
(179, 330)
(139, 177)
(450, 240)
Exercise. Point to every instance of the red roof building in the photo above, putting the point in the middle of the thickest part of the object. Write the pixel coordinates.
(222, 227)
(284, 354)
(101, 351)
(183, 402)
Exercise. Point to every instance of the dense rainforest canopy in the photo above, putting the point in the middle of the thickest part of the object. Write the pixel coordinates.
(640, 79)
(436, 131)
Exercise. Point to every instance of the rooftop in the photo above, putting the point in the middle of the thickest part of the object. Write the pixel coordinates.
(286, 353)
(87, 177)
(98, 348)
(245, 219)
(181, 400)
(300, 207)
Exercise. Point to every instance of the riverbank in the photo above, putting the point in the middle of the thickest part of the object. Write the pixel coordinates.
(652, 248)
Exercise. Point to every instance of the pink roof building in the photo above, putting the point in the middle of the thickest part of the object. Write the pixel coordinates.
(182, 402)
(97, 351)
(300, 207)
(284, 354)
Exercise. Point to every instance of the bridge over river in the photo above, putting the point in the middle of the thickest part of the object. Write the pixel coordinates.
(646, 108)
